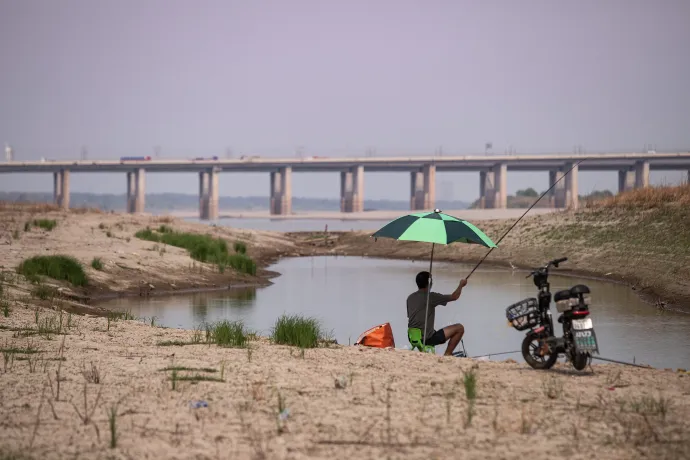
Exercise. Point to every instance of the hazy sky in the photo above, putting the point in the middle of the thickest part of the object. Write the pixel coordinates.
(263, 77)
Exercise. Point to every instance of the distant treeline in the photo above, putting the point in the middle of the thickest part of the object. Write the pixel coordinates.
(166, 202)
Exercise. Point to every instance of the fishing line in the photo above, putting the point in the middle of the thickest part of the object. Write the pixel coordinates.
(523, 215)
(621, 362)
(496, 354)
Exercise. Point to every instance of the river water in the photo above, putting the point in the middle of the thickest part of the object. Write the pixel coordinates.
(351, 294)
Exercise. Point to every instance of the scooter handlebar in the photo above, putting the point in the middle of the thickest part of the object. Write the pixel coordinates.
(553, 262)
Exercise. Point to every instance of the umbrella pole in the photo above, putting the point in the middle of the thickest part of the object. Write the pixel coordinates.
(428, 292)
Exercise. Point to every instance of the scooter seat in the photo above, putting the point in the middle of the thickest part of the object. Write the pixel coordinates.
(562, 295)
(579, 289)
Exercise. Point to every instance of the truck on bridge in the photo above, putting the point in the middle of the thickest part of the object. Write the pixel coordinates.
(146, 158)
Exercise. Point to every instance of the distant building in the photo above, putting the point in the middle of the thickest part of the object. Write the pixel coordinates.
(9, 154)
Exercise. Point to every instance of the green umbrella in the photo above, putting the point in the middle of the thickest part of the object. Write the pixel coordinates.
(435, 228)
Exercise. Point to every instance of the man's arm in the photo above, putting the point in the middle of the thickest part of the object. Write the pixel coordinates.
(456, 294)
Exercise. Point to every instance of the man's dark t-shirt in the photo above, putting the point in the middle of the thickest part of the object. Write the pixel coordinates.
(416, 305)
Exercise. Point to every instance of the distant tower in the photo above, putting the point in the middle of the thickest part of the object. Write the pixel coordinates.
(157, 151)
(9, 154)
(84, 152)
(228, 153)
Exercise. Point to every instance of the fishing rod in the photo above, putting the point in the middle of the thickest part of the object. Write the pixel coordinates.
(523, 215)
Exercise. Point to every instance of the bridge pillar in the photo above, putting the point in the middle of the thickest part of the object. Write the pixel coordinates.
(358, 189)
(487, 189)
(558, 193)
(281, 191)
(136, 191)
(208, 195)
(203, 195)
(61, 188)
(416, 191)
(429, 173)
(501, 184)
(572, 198)
(626, 180)
(352, 190)
(642, 174)
(345, 191)
(552, 193)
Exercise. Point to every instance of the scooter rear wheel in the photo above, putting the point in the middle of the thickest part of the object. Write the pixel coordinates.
(531, 352)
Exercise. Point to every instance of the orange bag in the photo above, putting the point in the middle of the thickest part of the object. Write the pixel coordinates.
(380, 336)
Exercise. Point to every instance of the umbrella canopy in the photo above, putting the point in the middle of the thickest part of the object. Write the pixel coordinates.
(434, 227)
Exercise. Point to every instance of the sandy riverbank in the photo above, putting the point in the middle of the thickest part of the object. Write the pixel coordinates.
(130, 265)
(614, 412)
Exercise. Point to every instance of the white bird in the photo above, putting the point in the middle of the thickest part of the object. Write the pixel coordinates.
(512, 266)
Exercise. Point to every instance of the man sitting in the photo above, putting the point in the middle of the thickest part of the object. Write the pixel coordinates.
(416, 306)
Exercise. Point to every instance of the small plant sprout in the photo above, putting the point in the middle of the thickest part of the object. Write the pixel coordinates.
(112, 424)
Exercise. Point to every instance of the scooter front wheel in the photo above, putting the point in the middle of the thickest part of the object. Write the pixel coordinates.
(580, 360)
(532, 351)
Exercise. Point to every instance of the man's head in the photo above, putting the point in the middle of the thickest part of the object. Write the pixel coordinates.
(423, 280)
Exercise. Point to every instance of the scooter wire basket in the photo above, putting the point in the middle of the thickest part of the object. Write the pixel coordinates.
(523, 314)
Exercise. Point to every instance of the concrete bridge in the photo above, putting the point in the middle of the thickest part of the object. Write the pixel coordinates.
(633, 172)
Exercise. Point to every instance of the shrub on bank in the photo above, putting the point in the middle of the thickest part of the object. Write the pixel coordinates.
(298, 331)
(227, 334)
(58, 267)
(203, 248)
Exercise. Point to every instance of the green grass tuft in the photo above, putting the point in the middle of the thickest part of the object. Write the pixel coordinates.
(183, 368)
(97, 263)
(45, 224)
(197, 378)
(470, 382)
(203, 248)
(174, 343)
(240, 247)
(228, 334)
(298, 331)
(58, 267)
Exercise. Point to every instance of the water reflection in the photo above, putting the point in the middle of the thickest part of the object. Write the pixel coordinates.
(351, 294)
(237, 300)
